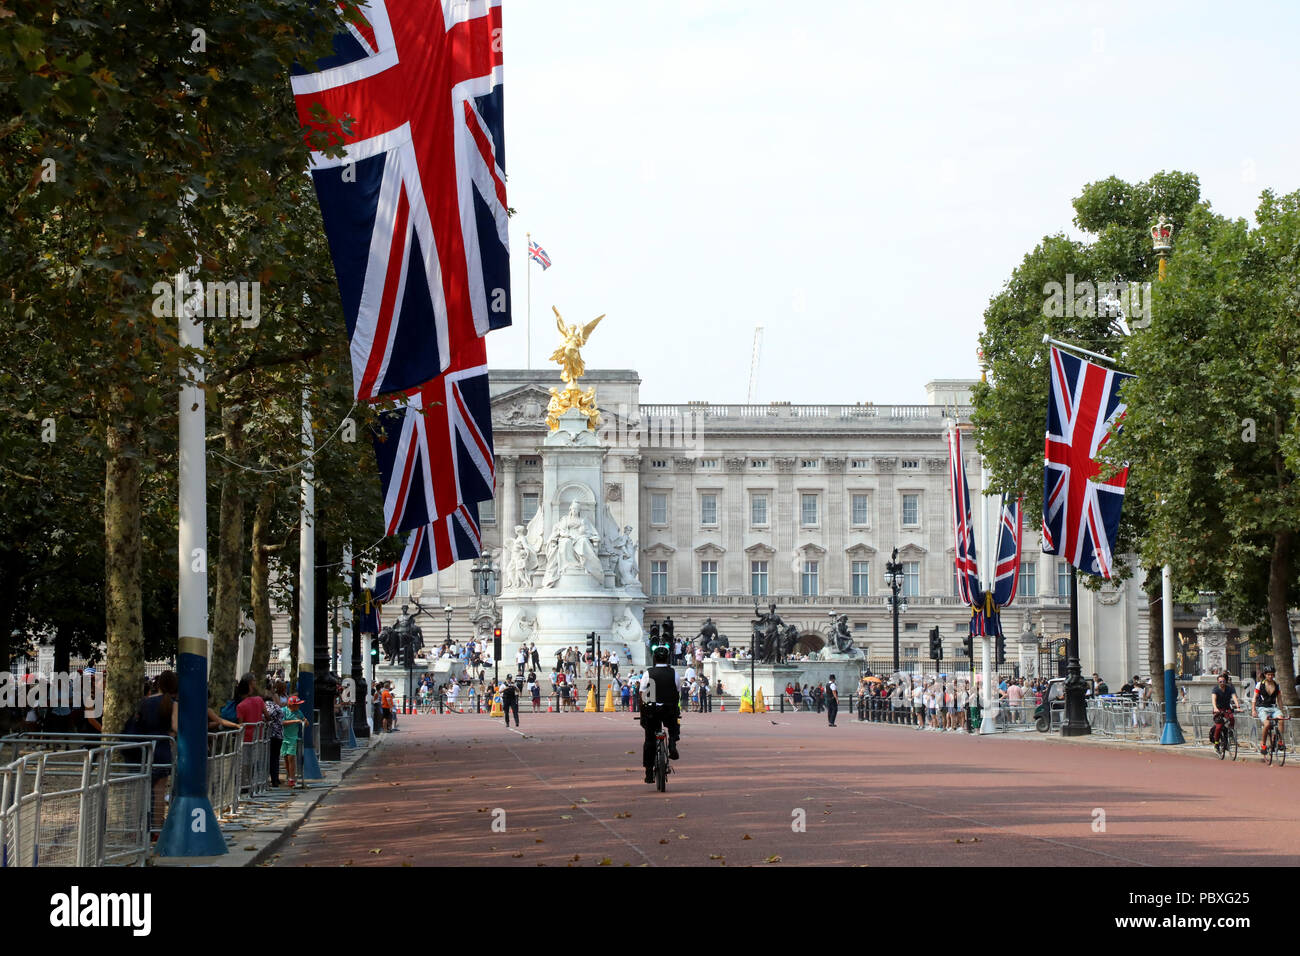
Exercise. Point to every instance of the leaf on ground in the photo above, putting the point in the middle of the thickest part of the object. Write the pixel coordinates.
(605, 861)
(621, 816)
(773, 859)
(682, 836)
(482, 809)
(516, 855)
(566, 816)
(406, 863)
(576, 858)
(377, 852)
(539, 841)
(630, 751)
(747, 837)
(580, 799)
(681, 816)
(715, 856)
(665, 840)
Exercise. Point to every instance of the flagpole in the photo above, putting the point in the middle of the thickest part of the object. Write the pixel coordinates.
(1048, 340)
(310, 769)
(528, 324)
(191, 827)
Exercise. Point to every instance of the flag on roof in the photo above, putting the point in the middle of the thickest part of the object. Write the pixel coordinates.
(538, 255)
(415, 209)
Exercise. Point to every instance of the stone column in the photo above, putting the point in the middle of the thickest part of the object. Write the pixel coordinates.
(835, 538)
(507, 498)
(733, 574)
(784, 517)
(683, 521)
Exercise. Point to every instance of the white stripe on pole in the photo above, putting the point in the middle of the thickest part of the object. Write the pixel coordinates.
(307, 551)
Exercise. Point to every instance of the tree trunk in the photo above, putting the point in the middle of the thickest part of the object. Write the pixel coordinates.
(259, 589)
(230, 564)
(123, 627)
(1155, 636)
(1283, 660)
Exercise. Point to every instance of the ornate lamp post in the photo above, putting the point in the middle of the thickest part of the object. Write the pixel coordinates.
(1162, 243)
(894, 581)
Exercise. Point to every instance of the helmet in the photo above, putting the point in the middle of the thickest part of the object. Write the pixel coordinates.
(660, 653)
(1270, 669)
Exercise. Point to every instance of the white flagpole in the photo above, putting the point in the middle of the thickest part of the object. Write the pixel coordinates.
(310, 769)
(528, 325)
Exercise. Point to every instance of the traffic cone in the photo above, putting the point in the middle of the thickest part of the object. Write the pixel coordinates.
(550, 709)
(724, 706)
(609, 699)
(591, 701)
(759, 706)
(497, 709)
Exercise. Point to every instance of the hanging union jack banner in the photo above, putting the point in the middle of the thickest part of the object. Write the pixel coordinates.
(441, 544)
(1006, 577)
(415, 211)
(968, 582)
(435, 452)
(1081, 509)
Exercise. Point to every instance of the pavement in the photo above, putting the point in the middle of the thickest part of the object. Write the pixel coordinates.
(786, 789)
(263, 822)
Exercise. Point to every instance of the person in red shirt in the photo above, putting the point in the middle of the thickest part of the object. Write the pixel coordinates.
(249, 706)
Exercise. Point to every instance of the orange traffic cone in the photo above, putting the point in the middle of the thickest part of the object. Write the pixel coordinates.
(724, 706)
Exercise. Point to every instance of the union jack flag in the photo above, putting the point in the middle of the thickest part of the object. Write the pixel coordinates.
(435, 452)
(1081, 510)
(385, 587)
(1006, 577)
(538, 255)
(968, 582)
(441, 544)
(415, 210)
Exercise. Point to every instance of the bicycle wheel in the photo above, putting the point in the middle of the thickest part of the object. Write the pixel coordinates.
(1221, 745)
(1281, 750)
(1270, 745)
(1230, 743)
(661, 771)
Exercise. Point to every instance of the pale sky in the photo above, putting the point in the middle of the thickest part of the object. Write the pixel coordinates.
(858, 178)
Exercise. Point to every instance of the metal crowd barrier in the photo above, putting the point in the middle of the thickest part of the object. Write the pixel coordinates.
(254, 762)
(69, 804)
(223, 770)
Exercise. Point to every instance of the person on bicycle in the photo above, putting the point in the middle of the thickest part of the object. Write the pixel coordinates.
(1223, 699)
(1265, 703)
(660, 692)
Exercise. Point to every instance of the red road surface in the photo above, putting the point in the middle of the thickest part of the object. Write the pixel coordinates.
(568, 792)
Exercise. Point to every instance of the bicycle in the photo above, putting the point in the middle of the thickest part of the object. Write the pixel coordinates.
(663, 767)
(1273, 743)
(1226, 742)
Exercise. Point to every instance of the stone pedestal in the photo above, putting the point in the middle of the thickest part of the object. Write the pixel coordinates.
(1212, 637)
(772, 678)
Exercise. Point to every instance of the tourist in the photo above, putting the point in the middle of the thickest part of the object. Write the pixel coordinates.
(274, 716)
(293, 722)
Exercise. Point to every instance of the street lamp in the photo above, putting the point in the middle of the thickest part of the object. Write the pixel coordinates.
(894, 581)
(1162, 244)
(449, 611)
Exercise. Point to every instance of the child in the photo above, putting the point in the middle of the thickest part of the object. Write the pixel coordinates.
(293, 721)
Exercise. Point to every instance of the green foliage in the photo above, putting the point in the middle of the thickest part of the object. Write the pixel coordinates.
(1212, 422)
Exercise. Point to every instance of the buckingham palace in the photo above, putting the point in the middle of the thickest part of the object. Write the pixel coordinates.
(798, 505)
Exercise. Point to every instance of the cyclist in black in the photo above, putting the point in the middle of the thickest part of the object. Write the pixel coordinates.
(660, 691)
(1223, 699)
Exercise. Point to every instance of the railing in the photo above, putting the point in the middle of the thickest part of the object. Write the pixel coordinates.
(85, 806)
(788, 411)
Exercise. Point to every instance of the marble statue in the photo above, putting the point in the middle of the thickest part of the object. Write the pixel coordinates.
(520, 562)
(626, 628)
(572, 546)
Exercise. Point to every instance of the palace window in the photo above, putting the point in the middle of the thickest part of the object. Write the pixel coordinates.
(758, 578)
(861, 510)
(758, 511)
(531, 502)
(861, 578)
(487, 511)
(658, 509)
(1029, 578)
(708, 509)
(658, 578)
(709, 578)
(911, 578)
(808, 510)
(809, 579)
(1063, 578)
(911, 510)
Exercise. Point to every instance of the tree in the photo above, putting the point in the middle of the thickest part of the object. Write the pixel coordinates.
(1212, 428)
(1055, 292)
